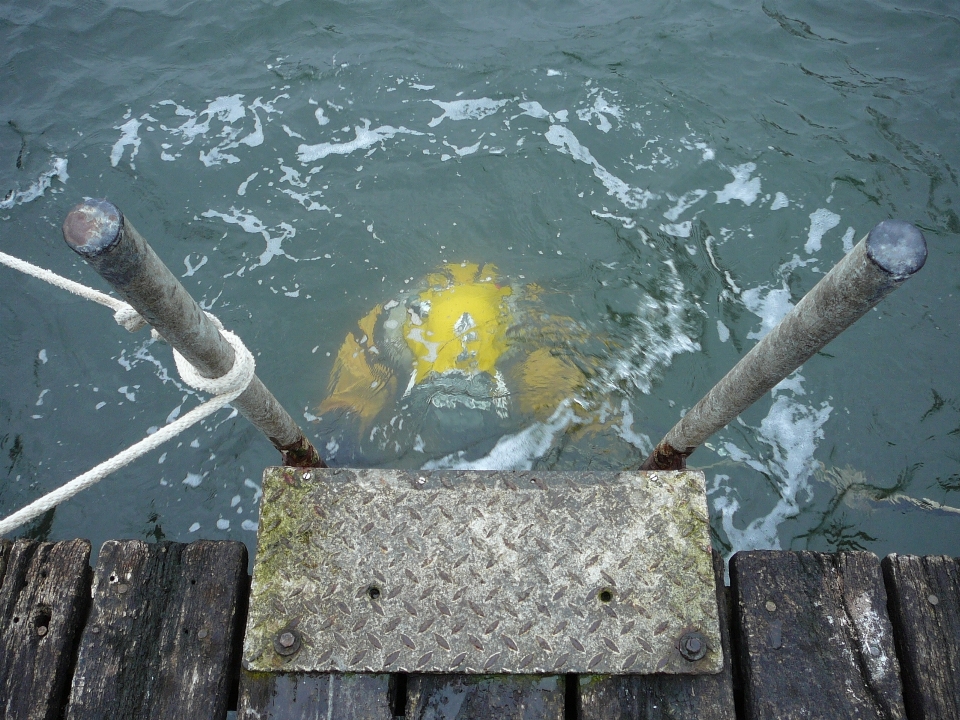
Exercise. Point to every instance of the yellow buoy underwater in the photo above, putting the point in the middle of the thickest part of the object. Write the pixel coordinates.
(450, 365)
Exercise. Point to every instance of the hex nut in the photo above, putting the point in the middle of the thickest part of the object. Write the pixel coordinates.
(287, 642)
(693, 646)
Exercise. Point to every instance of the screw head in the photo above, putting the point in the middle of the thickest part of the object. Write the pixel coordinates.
(693, 646)
(287, 642)
(307, 475)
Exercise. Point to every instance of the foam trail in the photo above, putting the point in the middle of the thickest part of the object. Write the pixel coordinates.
(365, 138)
(791, 430)
(128, 136)
(514, 452)
(821, 222)
(37, 189)
(566, 141)
(742, 187)
(466, 109)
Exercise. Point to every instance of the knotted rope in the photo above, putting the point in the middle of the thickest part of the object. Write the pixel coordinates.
(225, 390)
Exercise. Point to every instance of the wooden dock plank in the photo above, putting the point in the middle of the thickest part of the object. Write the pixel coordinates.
(925, 611)
(43, 602)
(484, 697)
(679, 697)
(813, 636)
(162, 639)
(301, 696)
(5, 546)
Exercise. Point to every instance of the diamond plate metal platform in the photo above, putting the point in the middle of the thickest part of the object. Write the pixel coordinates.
(483, 572)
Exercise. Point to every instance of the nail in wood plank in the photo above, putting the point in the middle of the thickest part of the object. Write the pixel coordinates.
(925, 611)
(296, 696)
(163, 634)
(43, 601)
(814, 638)
(485, 697)
(679, 697)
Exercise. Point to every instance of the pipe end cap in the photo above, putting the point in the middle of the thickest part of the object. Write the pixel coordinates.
(93, 227)
(897, 247)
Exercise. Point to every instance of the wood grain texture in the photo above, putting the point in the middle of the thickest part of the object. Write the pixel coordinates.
(301, 696)
(485, 697)
(813, 637)
(5, 546)
(43, 602)
(678, 697)
(925, 610)
(162, 639)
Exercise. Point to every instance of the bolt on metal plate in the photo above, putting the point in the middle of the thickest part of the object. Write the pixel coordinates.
(483, 572)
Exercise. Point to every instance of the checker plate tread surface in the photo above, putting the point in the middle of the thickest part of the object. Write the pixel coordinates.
(482, 572)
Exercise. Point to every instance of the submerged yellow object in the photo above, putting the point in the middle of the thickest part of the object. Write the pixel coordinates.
(463, 343)
(460, 322)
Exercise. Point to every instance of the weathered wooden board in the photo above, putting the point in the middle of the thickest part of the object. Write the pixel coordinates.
(479, 697)
(925, 611)
(651, 697)
(814, 639)
(301, 696)
(43, 601)
(5, 546)
(164, 631)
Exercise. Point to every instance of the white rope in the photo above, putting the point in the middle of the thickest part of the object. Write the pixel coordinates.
(125, 315)
(226, 389)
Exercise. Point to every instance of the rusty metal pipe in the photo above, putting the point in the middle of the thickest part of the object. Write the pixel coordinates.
(890, 253)
(98, 232)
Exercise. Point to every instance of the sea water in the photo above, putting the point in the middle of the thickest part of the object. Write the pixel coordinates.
(672, 176)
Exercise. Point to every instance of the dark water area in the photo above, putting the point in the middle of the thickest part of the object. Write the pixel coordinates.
(655, 184)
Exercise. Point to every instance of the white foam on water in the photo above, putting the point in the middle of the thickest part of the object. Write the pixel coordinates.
(321, 118)
(242, 189)
(626, 432)
(193, 479)
(365, 139)
(684, 202)
(769, 304)
(848, 239)
(42, 356)
(36, 189)
(514, 452)
(128, 136)
(682, 230)
(742, 187)
(476, 109)
(252, 224)
(821, 222)
(780, 201)
(534, 109)
(658, 337)
(567, 143)
(791, 431)
(723, 332)
(600, 110)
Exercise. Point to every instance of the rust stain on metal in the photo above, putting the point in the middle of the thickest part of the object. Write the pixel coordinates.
(95, 222)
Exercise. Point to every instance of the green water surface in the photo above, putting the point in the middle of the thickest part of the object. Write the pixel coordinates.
(672, 175)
